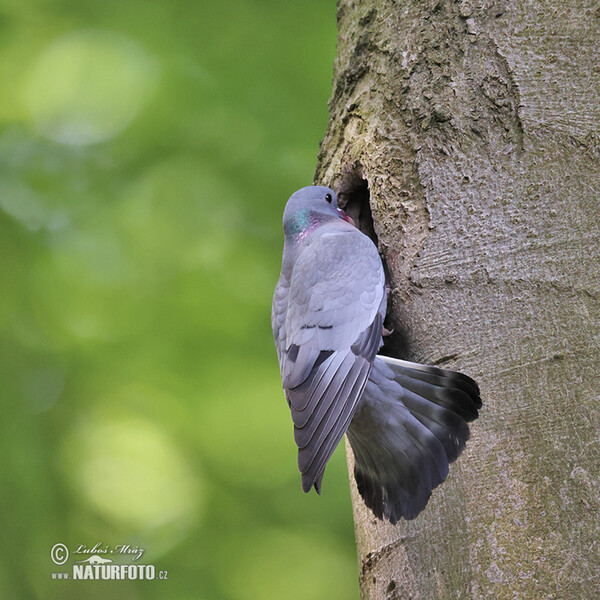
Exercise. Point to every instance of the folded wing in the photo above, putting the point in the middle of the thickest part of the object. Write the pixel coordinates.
(329, 338)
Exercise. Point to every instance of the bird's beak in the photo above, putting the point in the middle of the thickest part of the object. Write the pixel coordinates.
(346, 217)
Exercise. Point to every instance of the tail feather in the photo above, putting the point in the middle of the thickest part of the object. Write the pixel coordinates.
(410, 424)
(449, 428)
(378, 485)
(441, 378)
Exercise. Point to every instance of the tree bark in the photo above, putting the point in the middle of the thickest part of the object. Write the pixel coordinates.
(464, 136)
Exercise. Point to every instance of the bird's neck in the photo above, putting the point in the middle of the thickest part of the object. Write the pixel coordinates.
(301, 225)
(296, 231)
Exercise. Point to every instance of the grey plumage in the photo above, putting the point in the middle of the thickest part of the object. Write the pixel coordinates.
(405, 421)
(410, 424)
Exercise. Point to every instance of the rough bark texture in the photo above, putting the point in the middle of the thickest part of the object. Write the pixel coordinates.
(476, 126)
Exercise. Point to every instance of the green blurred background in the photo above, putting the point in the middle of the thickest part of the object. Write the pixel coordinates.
(147, 149)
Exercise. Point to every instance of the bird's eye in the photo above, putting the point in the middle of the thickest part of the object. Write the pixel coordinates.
(329, 198)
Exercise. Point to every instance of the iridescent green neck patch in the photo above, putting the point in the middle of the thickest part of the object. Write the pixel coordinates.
(301, 225)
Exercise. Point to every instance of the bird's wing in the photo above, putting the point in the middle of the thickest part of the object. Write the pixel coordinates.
(332, 331)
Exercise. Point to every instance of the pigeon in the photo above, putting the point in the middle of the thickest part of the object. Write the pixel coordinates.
(405, 422)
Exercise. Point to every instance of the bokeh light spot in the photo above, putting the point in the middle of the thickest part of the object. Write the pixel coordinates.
(87, 86)
(130, 472)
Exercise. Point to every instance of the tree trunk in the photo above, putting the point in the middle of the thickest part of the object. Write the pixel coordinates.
(465, 138)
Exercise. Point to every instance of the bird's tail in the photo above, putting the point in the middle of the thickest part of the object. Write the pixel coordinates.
(410, 424)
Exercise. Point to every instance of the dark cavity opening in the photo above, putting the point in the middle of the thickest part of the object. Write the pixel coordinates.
(354, 196)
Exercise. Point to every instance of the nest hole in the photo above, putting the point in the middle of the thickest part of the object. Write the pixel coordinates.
(354, 197)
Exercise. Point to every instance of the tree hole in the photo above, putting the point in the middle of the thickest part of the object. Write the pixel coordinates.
(354, 197)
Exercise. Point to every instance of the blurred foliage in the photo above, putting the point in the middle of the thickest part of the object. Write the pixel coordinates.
(147, 149)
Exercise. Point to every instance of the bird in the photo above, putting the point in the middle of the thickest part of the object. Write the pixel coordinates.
(405, 422)
(95, 560)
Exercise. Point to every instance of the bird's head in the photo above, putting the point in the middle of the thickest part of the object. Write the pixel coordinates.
(308, 208)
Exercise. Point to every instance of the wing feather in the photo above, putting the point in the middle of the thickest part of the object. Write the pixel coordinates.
(318, 435)
(330, 379)
(328, 442)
